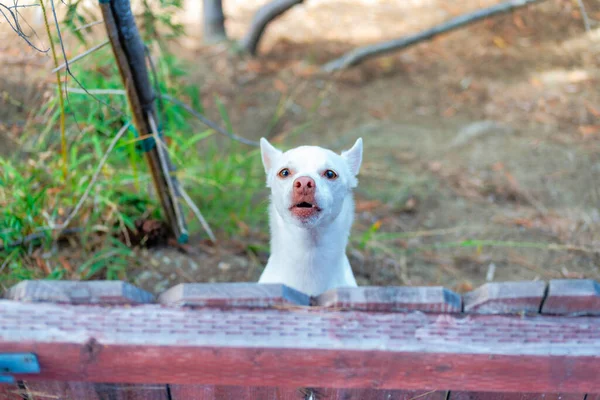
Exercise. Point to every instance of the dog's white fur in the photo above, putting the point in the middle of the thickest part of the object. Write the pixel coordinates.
(309, 254)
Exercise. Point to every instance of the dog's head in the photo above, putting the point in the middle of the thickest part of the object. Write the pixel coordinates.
(309, 184)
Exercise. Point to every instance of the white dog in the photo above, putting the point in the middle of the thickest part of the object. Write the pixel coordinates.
(311, 213)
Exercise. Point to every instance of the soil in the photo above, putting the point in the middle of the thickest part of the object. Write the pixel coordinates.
(481, 146)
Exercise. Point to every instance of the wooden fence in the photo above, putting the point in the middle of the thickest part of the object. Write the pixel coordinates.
(110, 340)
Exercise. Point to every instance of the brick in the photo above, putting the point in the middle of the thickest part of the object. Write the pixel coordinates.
(391, 299)
(79, 292)
(572, 297)
(505, 298)
(249, 295)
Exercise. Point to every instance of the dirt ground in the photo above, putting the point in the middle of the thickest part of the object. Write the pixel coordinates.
(489, 134)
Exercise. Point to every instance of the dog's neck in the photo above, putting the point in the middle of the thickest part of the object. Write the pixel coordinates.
(311, 260)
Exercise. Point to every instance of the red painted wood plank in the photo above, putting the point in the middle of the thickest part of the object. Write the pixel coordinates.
(302, 347)
(76, 292)
(207, 392)
(514, 396)
(239, 294)
(372, 298)
(505, 298)
(572, 297)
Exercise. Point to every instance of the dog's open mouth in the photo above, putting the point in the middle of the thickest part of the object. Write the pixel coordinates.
(304, 209)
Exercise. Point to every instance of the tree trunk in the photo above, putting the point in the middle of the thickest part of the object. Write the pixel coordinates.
(214, 21)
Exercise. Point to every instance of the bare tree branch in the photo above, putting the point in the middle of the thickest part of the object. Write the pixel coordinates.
(362, 53)
(262, 18)
(89, 25)
(80, 56)
(179, 103)
(208, 122)
(86, 193)
(13, 21)
(198, 214)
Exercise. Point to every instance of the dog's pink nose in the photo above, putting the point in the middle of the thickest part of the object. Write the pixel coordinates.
(304, 185)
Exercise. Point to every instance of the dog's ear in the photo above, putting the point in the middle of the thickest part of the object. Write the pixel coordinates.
(268, 153)
(354, 156)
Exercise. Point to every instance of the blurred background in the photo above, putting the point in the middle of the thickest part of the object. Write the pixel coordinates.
(481, 154)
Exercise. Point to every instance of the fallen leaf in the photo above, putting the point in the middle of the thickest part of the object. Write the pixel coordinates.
(65, 263)
(463, 287)
(367, 205)
(589, 130)
(592, 110)
(280, 86)
(42, 265)
(499, 42)
(518, 21)
(376, 113)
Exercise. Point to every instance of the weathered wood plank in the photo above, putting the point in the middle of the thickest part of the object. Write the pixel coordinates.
(373, 394)
(303, 347)
(371, 298)
(65, 390)
(208, 392)
(572, 297)
(79, 292)
(10, 392)
(60, 390)
(514, 396)
(238, 294)
(505, 298)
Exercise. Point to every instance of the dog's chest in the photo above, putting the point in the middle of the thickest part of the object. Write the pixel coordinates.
(312, 274)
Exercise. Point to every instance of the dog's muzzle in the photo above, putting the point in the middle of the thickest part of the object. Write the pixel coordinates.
(304, 204)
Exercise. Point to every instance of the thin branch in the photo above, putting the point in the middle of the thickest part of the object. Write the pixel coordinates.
(89, 25)
(584, 15)
(262, 18)
(115, 92)
(198, 214)
(187, 107)
(37, 236)
(61, 100)
(160, 147)
(13, 22)
(80, 56)
(208, 122)
(85, 195)
(68, 68)
(362, 53)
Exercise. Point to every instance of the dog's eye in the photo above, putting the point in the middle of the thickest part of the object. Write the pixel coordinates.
(330, 174)
(284, 173)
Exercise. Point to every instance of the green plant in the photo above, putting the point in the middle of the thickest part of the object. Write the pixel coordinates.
(223, 177)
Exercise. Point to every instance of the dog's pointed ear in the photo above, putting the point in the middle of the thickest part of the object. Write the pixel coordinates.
(268, 154)
(354, 156)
